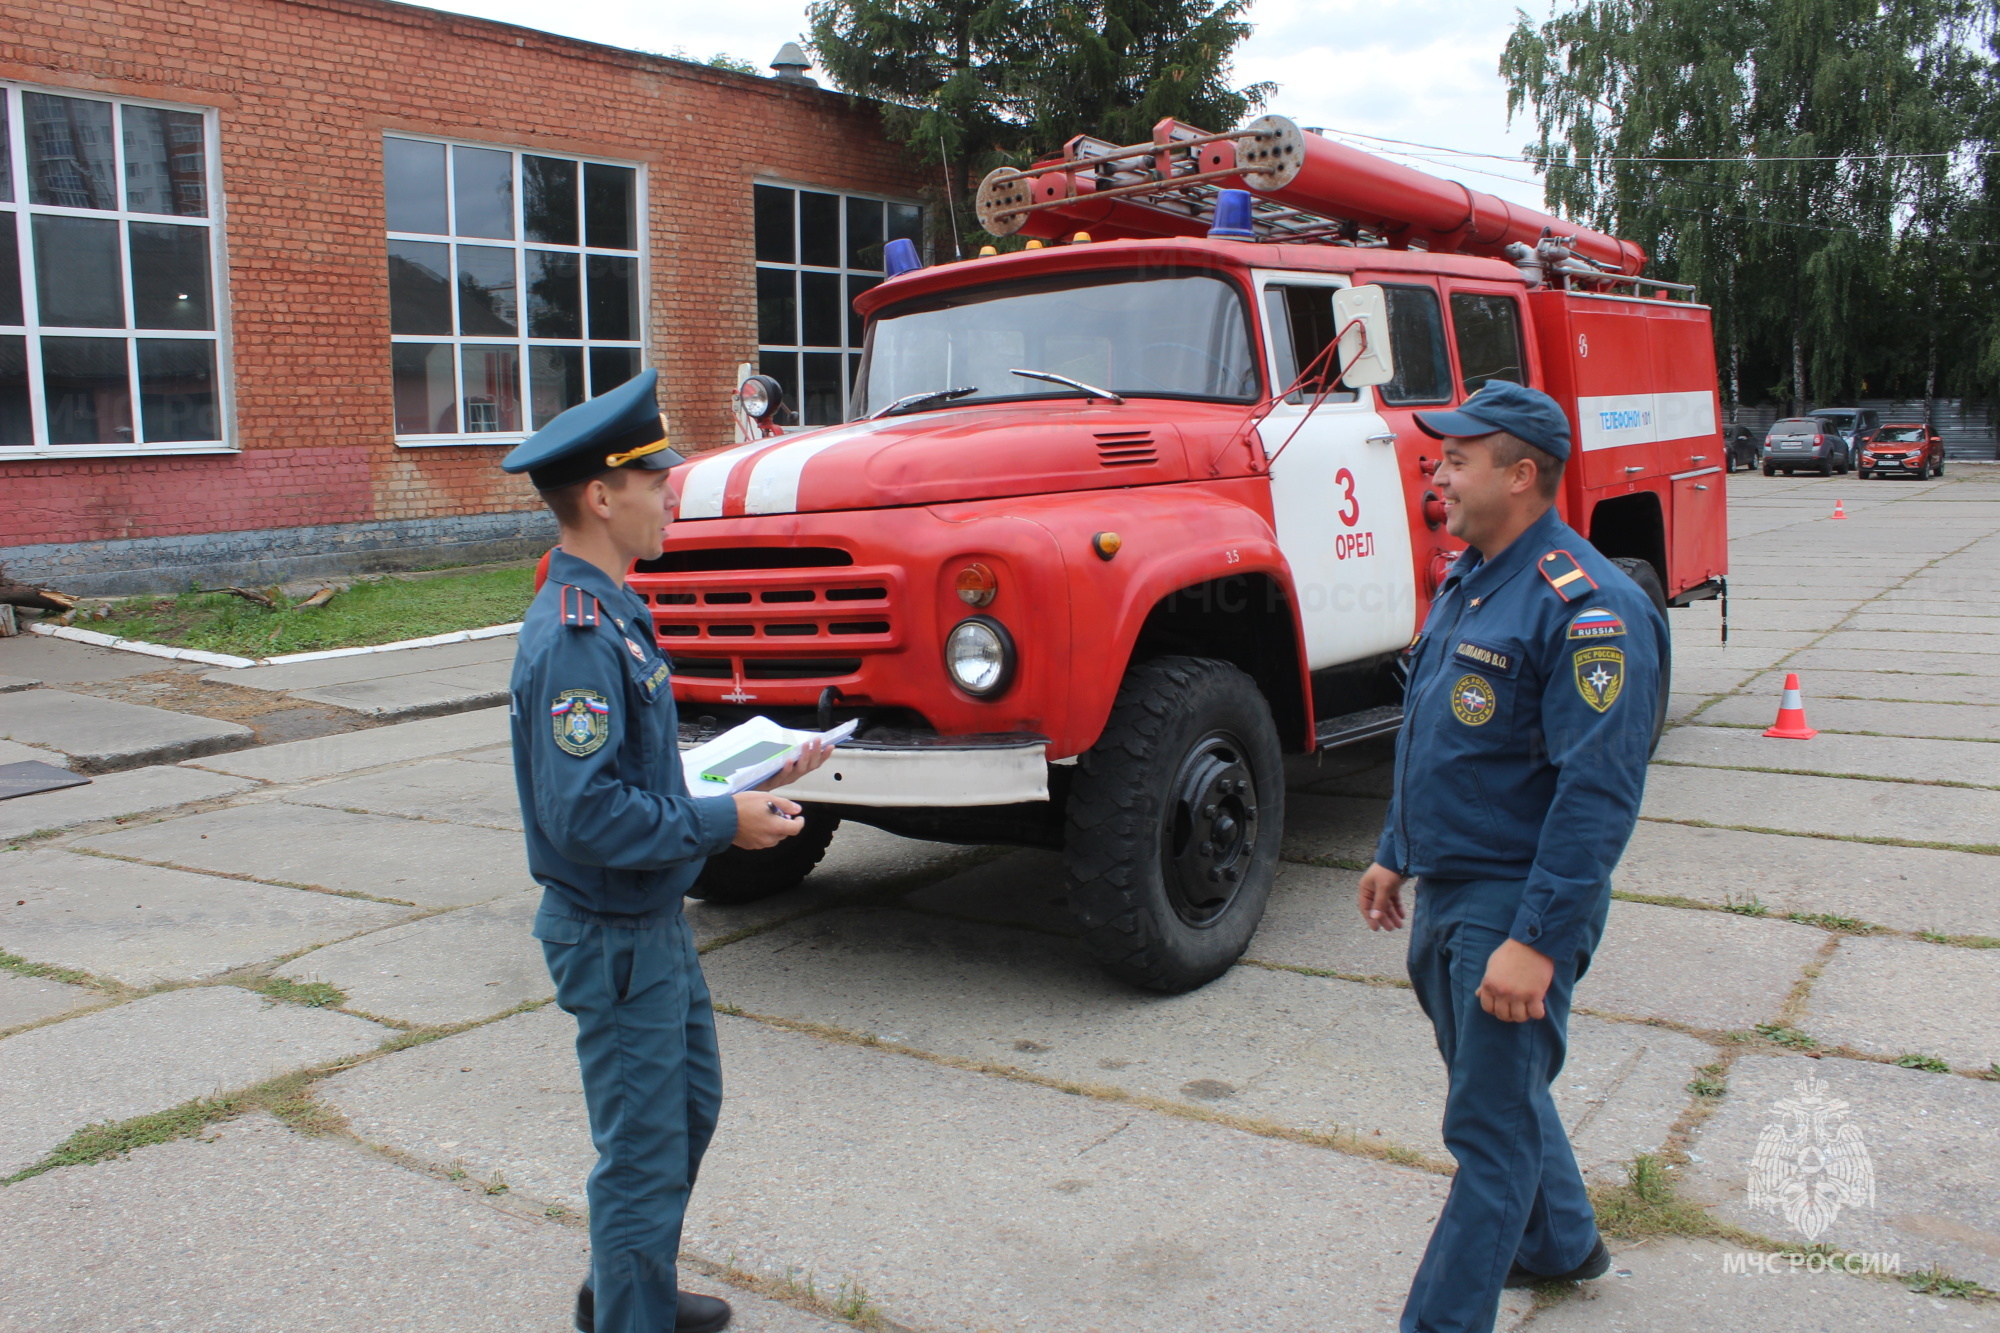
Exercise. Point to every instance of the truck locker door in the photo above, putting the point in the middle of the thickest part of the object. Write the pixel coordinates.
(1692, 449)
(1336, 493)
(1617, 431)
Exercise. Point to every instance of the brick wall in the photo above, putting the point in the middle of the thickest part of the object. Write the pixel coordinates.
(304, 90)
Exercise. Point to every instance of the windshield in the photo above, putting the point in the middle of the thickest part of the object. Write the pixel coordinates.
(1900, 435)
(1135, 332)
(1796, 428)
(1837, 420)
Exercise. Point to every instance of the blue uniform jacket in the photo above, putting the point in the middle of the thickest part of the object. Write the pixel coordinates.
(611, 827)
(1528, 721)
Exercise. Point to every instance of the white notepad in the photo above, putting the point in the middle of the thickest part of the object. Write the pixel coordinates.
(744, 756)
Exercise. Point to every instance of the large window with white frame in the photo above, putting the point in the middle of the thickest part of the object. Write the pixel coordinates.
(515, 286)
(816, 251)
(110, 277)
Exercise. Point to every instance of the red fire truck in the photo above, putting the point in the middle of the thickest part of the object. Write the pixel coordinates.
(1114, 530)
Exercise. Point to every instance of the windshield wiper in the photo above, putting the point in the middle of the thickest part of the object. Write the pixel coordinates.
(910, 400)
(1088, 390)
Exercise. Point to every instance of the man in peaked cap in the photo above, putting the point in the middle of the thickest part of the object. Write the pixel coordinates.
(615, 840)
(1529, 716)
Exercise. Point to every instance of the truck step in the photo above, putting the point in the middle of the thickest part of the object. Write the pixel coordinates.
(1333, 732)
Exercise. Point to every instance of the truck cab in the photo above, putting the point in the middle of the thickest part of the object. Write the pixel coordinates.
(1121, 522)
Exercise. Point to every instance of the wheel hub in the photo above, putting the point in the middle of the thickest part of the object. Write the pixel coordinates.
(1211, 829)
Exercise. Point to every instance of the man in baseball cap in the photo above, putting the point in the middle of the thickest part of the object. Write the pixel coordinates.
(1532, 705)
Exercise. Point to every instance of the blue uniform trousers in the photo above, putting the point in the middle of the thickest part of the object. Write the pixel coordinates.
(652, 1080)
(1518, 1193)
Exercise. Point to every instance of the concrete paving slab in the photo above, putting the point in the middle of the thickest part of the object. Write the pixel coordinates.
(295, 676)
(329, 756)
(1985, 665)
(1840, 807)
(1680, 707)
(1910, 997)
(1710, 681)
(59, 662)
(13, 752)
(1672, 1285)
(142, 925)
(1971, 722)
(424, 694)
(139, 791)
(1896, 686)
(1308, 1052)
(449, 968)
(496, 754)
(446, 789)
(1776, 614)
(155, 1053)
(860, 862)
(321, 1237)
(104, 736)
(9, 684)
(1706, 969)
(1912, 758)
(958, 1201)
(1963, 621)
(1023, 888)
(1904, 888)
(1731, 656)
(31, 999)
(1929, 1139)
(1339, 827)
(1911, 641)
(411, 861)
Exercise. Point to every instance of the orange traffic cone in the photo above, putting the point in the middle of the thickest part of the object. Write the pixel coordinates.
(1839, 511)
(1791, 723)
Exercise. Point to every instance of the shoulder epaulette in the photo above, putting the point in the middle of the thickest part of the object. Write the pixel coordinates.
(1565, 575)
(579, 608)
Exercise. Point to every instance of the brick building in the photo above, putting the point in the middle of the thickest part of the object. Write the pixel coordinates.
(290, 276)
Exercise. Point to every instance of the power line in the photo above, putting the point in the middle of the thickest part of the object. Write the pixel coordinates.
(1751, 159)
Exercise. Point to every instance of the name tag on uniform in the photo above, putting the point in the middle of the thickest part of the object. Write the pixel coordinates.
(1497, 660)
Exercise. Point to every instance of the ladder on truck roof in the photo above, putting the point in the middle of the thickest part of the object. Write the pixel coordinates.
(1304, 188)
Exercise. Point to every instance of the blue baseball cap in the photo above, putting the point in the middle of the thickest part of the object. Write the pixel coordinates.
(1526, 414)
(619, 428)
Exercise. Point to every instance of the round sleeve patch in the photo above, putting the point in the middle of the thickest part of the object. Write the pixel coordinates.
(1472, 700)
(582, 721)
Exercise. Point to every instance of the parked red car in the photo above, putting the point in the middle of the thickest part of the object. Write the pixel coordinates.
(1903, 449)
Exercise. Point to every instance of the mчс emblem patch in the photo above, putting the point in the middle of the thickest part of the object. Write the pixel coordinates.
(1600, 675)
(582, 721)
(1472, 700)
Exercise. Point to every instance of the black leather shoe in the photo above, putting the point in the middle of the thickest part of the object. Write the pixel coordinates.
(1597, 1264)
(696, 1313)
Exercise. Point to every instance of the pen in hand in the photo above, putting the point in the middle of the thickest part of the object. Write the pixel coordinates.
(772, 806)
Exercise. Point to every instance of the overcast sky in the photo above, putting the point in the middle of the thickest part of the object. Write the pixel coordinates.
(1418, 70)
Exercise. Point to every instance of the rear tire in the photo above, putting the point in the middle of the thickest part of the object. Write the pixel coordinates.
(1174, 820)
(738, 875)
(1770, 471)
(1642, 573)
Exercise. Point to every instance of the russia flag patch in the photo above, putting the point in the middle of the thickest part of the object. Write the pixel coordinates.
(1596, 623)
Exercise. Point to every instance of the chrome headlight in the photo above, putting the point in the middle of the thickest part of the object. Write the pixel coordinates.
(979, 654)
(760, 396)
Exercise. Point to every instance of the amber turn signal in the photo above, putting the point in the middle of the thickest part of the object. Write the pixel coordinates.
(976, 585)
(1106, 544)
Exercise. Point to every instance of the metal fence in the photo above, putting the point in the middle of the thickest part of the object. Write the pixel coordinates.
(1968, 428)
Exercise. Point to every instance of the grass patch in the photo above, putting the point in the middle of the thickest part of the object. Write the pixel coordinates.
(1748, 907)
(1934, 1281)
(313, 994)
(1708, 1081)
(95, 1143)
(1846, 924)
(372, 612)
(1787, 1036)
(21, 967)
(1646, 1205)
(1930, 1064)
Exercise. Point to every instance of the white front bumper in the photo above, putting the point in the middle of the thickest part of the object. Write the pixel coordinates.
(933, 776)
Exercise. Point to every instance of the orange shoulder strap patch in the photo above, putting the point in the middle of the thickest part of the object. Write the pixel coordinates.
(1565, 575)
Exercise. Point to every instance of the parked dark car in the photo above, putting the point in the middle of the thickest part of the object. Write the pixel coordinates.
(1798, 443)
(1903, 449)
(1852, 424)
(1739, 448)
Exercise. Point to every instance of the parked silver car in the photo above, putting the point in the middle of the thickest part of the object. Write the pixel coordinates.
(1798, 443)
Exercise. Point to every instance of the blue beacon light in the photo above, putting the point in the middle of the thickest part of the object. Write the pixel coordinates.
(1232, 217)
(900, 257)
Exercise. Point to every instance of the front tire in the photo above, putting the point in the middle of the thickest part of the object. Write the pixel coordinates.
(737, 875)
(1174, 819)
(1641, 572)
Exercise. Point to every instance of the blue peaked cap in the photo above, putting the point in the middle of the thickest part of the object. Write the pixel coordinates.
(618, 428)
(1526, 414)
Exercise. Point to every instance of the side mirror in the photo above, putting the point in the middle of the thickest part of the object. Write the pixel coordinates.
(1362, 316)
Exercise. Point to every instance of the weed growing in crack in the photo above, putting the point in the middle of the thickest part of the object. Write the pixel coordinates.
(1930, 1064)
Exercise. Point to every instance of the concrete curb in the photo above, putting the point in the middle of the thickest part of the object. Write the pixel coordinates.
(225, 660)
